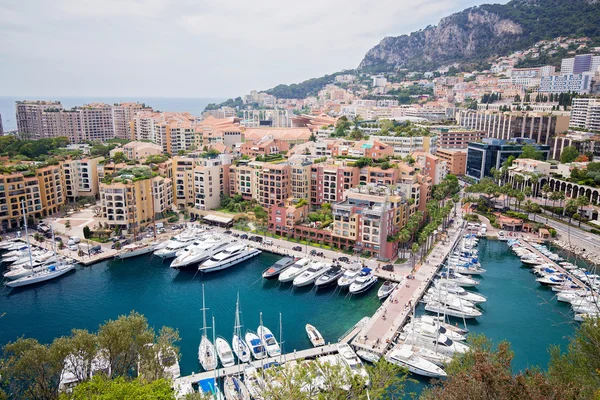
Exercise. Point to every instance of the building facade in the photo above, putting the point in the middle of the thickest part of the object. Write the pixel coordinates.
(81, 178)
(585, 113)
(456, 160)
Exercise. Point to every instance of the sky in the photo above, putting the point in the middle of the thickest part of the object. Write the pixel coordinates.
(193, 48)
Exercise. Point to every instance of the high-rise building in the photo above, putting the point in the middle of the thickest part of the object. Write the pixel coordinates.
(580, 64)
(585, 113)
(29, 116)
(173, 131)
(456, 160)
(329, 180)
(123, 114)
(81, 178)
(576, 83)
(1, 128)
(211, 179)
(274, 184)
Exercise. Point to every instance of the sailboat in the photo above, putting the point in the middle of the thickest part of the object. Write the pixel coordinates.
(268, 340)
(52, 270)
(240, 348)
(207, 354)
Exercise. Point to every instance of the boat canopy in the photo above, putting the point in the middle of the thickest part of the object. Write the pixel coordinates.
(365, 271)
(207, 385)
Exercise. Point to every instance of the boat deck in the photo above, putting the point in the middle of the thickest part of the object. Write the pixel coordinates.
(379, 333)
(237, 369)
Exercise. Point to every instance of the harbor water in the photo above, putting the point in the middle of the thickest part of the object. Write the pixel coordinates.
(518, 308)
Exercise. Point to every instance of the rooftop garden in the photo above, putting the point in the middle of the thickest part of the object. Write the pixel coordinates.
(133, 174)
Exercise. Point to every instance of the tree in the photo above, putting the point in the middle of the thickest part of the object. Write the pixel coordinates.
(569, 154)
(119, 157)
(581, 202)
(532, 152)
(101, 387)
(546, 189)
(312, 137)
(87, 232)
(68, 224)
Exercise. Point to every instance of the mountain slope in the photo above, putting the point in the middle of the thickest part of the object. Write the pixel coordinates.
(477, 33)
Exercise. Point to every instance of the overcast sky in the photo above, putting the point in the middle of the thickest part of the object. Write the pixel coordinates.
(192, 48)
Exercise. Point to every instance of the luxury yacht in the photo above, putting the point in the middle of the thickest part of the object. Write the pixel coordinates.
(274, 270)
(347, 278)
(294, 270)
(229, 257)
(330, 276)
(405, 357)
(311, 274)
(199, 252)
(363, 282)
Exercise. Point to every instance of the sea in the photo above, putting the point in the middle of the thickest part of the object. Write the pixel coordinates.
(518, 309)
(195, 106)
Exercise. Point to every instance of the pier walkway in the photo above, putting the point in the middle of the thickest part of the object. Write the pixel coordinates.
(554, 264)
(237, 369)
(379, 333)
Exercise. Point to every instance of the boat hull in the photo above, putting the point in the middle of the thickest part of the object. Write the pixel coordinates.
(134, 253)
(25, 281)
(252, 253)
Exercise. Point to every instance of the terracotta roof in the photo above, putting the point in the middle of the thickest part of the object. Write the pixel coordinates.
(288, 134)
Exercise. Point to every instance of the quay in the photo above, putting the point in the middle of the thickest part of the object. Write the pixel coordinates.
(378, 335)
(258, 364)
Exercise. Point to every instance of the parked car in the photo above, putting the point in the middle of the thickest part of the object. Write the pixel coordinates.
(73, 247)
(243, 236)
(235, 234)
(268, 242)
(313, 252)
(257, 239)
(228, 232)
(297, 248)
(344, 259)
(388, 267)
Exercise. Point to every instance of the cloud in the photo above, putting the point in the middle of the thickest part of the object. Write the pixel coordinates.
(190, 47)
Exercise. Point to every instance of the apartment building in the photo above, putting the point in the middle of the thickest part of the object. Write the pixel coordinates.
(576, 83)
(456, 137)
(96, 122)
(81, 178)
(243, 179)
(213, 130)
(432, 166)
(264, 147)
(183, 177)
(456, 160)
(368, 216)
(173, 131)
(300, 178)
(211, 179)
(329, 180)
(508, 125)
(585, 113)
(29, 116)
(274, 184)
(123, 114)
(406, 145)
(584, 142)
(284, 217)
(579, 64)
(138, 150)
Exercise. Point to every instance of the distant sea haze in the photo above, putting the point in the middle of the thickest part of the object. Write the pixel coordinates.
(195, 106)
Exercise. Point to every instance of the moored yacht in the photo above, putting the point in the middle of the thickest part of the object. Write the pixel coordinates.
(363, 282)
(268, 340)
(294, 270)
(442, 344)
(172, 247)
(349, 357)
(330, 276)
(314, 336)
(235, 389)
(311, 274)
(199, 252)
(347, 278)
(229, 257)
(405, 357)
(224, 352)
(386, 289)
(134, 250)
(254, 343)
(462, 312)
(50, 271)
(274, 270)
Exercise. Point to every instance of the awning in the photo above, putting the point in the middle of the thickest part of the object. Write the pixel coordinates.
(216, 218)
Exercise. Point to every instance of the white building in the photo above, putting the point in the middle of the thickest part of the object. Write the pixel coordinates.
(578, 83)
(585, 113)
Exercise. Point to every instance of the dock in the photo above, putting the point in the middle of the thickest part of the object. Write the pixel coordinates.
(258, 364)
(554, 264)
(378, 335)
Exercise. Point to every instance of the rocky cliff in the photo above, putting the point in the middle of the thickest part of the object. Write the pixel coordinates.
(475, 34)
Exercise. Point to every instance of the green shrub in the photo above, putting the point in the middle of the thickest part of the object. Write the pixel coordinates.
(553, 232)
(596, 231)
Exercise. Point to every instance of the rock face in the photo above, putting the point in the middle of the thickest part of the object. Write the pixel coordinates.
(477, 33)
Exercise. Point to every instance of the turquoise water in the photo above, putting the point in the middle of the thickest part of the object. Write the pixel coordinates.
(92, 295)
(518, 309)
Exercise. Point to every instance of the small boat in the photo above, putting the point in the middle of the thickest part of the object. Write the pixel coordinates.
(470, 270)
(224, 352)
(349, 357)
(255, 345)
(405, 357)
(314, 336)
(134, 250)
(294, 270)
(330, 276)
(363, 282)
(442, 344)
(240, 348)
(462, 312)
(386, 289)
(582, 317)
(51, 271)
(368, 356)
(229, 257)
(347, 278)
(311, 274)
(255, 384)
(268, 341)
(235, 389)
(274, 270)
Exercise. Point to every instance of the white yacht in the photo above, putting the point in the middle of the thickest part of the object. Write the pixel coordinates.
(314, 336)
(255, 344)
(173, 246)
(235, 389)
(440, 321)
(224, 352)
(294, 270)
(405, 357)
(470, 270)
(229, 257)
(22, 271)
(240, 348)
(134, 250)
(449, 300)
(363, 282)
(349, 357)
(49, 272)
(310, 275)
(462, 312)
(268, 340)
(442, 344)
(458, 279)
(281, 265)
(330, 276)
(349, 276)
(207, 354)
(199, 252)
(464, 295)
(431, 331)
(386, 289)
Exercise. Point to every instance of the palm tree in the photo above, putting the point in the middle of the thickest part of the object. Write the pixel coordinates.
(403, 237)
(554, 196)
(534, 180)
(570, 208)
(519, 197)
(519, 180)
(413, 250)
(546, 190)
(582, 201)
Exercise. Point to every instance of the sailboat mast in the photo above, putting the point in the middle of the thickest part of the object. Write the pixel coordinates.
(26, 232)
(203, 314)
(280, 340)
(262, 342)
(213, 342)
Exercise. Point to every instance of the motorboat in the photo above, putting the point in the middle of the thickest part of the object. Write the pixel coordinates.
(235, 389)
(465, 296)
(229, 257)
(255, 345)
(268, 340)
(363, 282)
(134, 250)
(76, 369)
(582, 317)
(347, 278)
(532, 260)
(459, 279)
(274, 270)
(431, 331)
(38, 259)
(224, 352)
(440, 321)
(469, 270)
(207, 354)
(330, 276)
(200, 251)
(314, 336)
(294, 270)
(386, 289)
(349, 357)
(572, 295)
(255, 384)
(173, 246)
(553, 279)
(462, 312)
(449, 300)
(368, 356)
(240, 348)
(442, 344)
(50, 271)
(438, 359)
(311, 274)
(404, 356)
